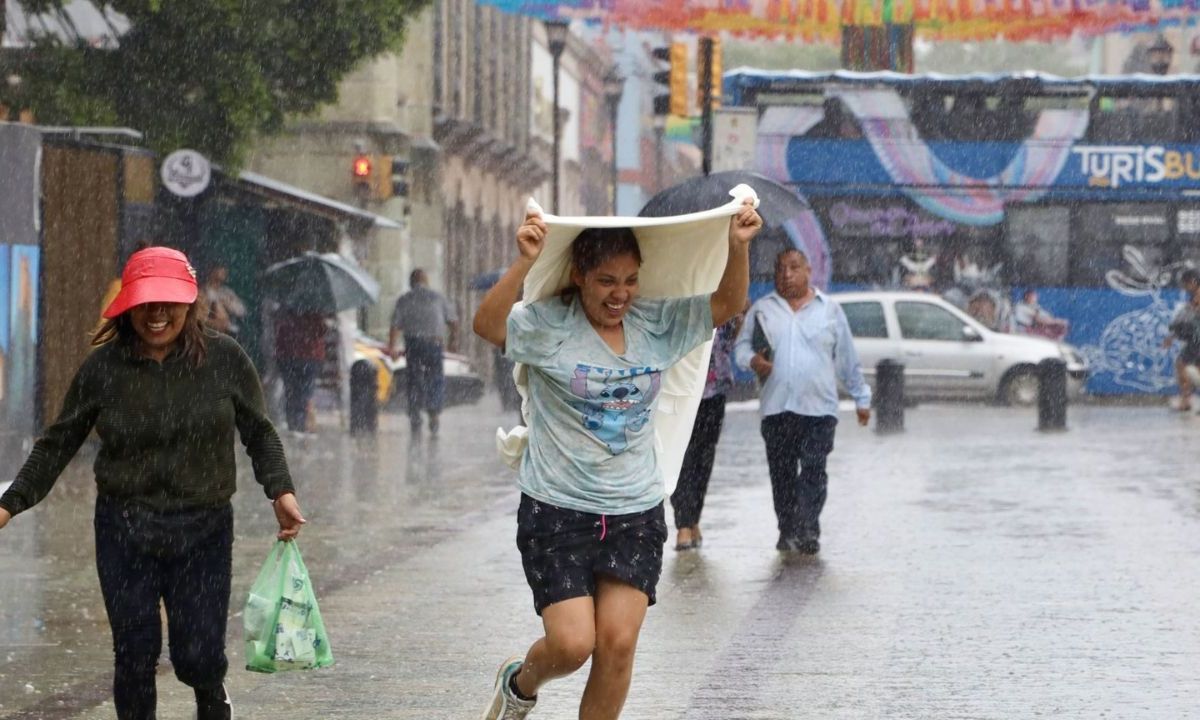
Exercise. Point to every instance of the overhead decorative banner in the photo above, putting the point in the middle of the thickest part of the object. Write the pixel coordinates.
(823, 19)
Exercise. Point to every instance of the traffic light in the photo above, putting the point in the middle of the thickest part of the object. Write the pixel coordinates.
(361, 169)
(399, 177)
(674, 101)
(379, 177)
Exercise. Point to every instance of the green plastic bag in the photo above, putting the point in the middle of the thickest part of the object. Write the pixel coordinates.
(282, 622)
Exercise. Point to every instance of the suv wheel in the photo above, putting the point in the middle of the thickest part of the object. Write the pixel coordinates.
(1021, 389)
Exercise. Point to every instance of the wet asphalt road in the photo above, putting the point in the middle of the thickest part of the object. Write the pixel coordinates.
(971, 568)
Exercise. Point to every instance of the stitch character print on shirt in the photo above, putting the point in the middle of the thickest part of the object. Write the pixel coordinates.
(615, 402)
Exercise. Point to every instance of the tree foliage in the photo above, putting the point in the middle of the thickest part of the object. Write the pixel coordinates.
(205, 74)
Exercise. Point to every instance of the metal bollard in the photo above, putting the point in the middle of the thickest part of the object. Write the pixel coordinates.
(364, 408)
(889, 396)
(1052, 395)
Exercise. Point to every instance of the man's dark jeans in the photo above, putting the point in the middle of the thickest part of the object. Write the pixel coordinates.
(799, 497)
(183, 559)
(423, 360)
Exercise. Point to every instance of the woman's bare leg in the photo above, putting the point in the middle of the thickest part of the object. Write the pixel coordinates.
(570, 638)
(620, 610)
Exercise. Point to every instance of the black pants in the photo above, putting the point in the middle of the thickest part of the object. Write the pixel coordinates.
(183, 560)
(423, 359)
(299, 381)
(688, 498)
(799, 497)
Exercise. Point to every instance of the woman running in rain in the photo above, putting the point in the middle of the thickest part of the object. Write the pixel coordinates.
(165, 395)
(591, 526)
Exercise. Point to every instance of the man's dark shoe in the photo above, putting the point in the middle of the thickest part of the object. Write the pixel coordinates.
(806, 546)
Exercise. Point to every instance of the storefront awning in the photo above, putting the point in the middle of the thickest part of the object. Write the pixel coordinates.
(283, 192)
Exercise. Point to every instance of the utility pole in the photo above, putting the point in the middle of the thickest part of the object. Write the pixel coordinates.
(706, 96)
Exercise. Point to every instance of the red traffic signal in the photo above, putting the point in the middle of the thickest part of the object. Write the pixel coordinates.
(362, 168)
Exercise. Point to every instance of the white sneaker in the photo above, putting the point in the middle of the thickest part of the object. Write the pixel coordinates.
(505, 705)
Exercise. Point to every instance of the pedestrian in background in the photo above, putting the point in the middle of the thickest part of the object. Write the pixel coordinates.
(225, 309)
(591, 524)
(811, 350)
(300, 351)
(1031, 318)
(688, 498)
(165, 395)
(1185, 327)
(429, 324)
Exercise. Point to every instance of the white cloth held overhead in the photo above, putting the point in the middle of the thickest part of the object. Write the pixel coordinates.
(682, 256)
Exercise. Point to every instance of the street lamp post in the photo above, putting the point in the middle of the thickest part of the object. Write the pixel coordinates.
(614, 86)
(556, 40)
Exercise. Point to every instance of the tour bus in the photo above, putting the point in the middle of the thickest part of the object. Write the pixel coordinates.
(981, 187)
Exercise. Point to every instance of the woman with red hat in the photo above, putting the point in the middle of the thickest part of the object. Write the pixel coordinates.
(165, 395)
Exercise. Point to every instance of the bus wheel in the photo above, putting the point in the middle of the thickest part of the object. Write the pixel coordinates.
(1020, 389)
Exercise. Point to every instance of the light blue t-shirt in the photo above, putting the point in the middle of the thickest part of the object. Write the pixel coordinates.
(591, 436)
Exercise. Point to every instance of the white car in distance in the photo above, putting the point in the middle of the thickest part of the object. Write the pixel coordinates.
(947, 353)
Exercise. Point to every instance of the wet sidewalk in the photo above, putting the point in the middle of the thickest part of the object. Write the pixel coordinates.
(971, 568)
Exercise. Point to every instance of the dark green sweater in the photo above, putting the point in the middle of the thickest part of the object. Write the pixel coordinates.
(166, 430)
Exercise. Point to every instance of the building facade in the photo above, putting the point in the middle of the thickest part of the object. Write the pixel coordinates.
(466, 107)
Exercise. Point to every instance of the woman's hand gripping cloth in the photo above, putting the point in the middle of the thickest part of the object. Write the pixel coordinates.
(682, 256)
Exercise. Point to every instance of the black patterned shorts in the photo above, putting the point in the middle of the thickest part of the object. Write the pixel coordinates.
(563, 550)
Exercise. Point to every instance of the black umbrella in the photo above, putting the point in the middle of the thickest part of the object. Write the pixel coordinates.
(788, 220)
(320, 283)
(486, 280)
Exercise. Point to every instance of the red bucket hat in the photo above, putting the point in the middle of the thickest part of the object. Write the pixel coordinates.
(156, 274)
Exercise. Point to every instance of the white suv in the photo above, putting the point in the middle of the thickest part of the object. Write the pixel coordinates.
(947, 353)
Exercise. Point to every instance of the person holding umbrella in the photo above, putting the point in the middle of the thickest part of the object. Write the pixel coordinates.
(309, 289)
(299, 354)
(591, 525)
(688, 499)
(165, 395)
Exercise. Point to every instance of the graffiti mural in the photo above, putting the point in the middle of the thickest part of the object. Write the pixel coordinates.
(1128, 354)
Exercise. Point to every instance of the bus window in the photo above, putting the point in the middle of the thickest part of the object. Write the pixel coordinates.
(1135, 120)
(1187, 230)
(1102, 230)
(1038, 241)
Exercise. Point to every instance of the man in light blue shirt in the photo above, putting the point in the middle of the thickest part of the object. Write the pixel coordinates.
(798, 342)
